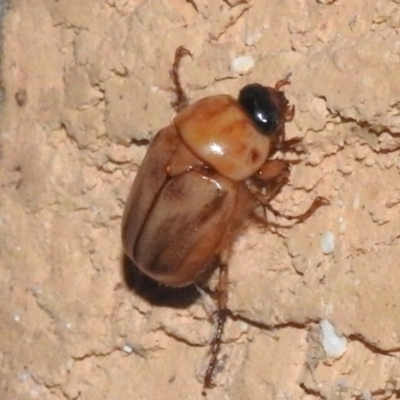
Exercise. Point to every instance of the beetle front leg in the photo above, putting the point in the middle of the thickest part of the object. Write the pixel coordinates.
(222, 314)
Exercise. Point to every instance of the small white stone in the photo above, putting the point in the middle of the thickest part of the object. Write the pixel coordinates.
(24, 376)
(251, 40)
(154, 89)
(328, 242)
(356, 202)
(4, 218)
(366, 395)
(334, 345)
(242, 64)
(127, 348)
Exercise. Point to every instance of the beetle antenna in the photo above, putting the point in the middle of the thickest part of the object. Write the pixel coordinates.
(181, 100)
(222, 312)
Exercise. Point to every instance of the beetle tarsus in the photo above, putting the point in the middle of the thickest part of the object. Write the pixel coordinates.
(216, 347)
(289, 113)
(288, 145)
(223, 312)
(317, 203)
(181, 100)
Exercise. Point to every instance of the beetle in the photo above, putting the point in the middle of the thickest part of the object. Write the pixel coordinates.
(203, 177)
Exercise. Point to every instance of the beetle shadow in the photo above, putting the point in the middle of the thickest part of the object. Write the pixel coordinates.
(155, 293)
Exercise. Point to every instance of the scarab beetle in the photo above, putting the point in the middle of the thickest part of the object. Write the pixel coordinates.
(202, 178)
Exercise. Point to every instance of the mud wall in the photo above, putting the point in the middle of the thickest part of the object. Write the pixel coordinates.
(86, 86)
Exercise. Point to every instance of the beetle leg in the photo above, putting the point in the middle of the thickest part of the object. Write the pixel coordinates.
(272, 170)
(282, 82)
(289, 113)
(269, 180)
(222, 314)
(193, 4)
(317, 203)
(288, 145)
(181, 100)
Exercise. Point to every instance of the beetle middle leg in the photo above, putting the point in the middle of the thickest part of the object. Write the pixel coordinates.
(317, 203)
(181, 100)
(269, 180)
(267, 184)
(222, 314)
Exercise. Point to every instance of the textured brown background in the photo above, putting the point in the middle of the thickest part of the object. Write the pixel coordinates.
(85, 81)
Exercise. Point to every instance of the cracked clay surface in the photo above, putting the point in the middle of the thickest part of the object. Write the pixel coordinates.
(86, 85)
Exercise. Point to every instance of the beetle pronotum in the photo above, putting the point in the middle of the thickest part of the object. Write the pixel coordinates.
(202, 178)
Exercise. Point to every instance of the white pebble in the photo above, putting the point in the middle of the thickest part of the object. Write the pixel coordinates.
(242, 64)
(328, 242)
(356, 202)
(127, 348)
(24, 376)
(334, 345)
(366, 395)
(251, 40)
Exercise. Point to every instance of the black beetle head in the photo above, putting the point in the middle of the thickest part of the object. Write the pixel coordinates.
(265, 106)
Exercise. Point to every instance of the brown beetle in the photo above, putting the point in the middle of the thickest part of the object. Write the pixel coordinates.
(202, 178)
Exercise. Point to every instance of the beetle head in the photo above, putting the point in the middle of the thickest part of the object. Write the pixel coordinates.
(268, 109)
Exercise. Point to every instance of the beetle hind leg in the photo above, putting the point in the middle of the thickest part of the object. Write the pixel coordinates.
(181, 101)
(222, 314)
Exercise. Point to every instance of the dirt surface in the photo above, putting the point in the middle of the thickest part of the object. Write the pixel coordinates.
(86, 85)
